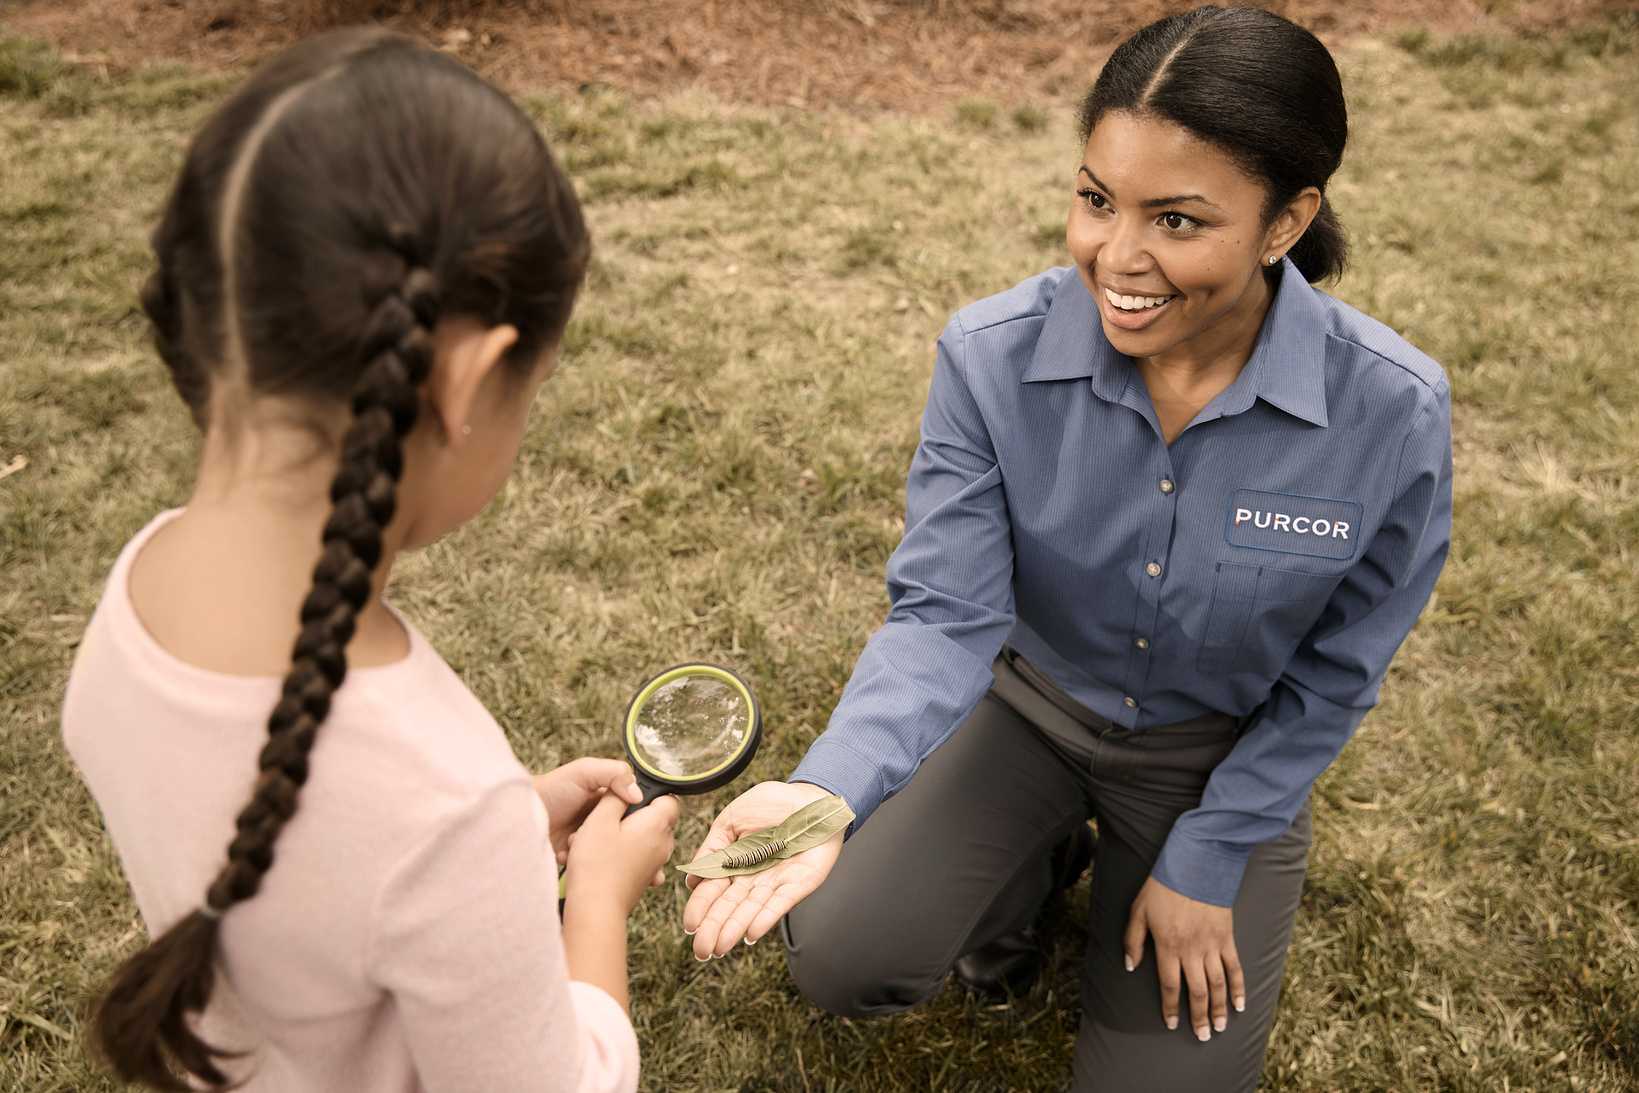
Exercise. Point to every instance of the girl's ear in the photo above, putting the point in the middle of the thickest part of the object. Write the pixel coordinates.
(465, 353)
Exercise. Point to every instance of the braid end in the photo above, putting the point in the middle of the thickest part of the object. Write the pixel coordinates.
(142, 1027)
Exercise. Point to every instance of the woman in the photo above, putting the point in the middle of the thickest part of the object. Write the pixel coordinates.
(1172, 513)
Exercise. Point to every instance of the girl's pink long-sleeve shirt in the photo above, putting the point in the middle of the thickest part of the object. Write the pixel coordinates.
(407, 936)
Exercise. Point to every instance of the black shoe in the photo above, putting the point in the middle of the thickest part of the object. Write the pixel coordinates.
(1003, 970)
(1009, 966)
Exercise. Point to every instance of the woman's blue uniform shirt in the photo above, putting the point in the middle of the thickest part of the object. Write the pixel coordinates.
(1267, 564)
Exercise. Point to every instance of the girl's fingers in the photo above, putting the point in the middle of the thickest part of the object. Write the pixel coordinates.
(659, 815)
(607, 812)
(593, 774)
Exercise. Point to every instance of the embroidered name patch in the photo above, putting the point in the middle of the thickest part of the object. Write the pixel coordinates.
(1293, 525)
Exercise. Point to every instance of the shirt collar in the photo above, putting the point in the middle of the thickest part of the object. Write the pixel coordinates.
(1072, 345)
(1287, 368)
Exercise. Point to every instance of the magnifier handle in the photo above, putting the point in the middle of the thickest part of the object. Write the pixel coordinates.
(650, 792)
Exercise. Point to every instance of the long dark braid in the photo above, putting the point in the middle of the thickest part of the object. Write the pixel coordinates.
(385, 403)
(434, 195)
(363, 493)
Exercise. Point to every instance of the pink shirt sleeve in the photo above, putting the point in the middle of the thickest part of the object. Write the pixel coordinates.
(466, 938)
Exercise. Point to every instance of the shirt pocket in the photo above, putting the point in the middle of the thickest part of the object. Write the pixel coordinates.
(1258, 615)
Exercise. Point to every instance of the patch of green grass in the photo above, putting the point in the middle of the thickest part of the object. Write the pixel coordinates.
(978, 114)
(1548, 175)
(717, 472)
(1481, 68)
(867, 248)
(165, 88)
(1049, 234)
(28, 70)
(1030, 119)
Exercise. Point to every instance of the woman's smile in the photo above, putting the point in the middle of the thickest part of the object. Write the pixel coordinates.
(1132, 311)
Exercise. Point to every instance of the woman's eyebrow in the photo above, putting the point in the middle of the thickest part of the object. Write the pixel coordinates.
(1099, 182)
(1154, 202)
(1177, 199)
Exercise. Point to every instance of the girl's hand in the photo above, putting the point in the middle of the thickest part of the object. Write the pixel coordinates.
(723, 911)
(570, 791)
(1195, 939)
(613, 859)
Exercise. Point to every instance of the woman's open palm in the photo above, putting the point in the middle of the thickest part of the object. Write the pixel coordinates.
(722, 912)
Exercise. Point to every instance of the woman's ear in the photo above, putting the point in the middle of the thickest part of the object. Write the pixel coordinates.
(465, 352)
(1292, 221)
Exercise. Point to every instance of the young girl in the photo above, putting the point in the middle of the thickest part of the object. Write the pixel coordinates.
(364, 271)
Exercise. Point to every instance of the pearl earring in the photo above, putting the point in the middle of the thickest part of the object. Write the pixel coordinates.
(1273, 258)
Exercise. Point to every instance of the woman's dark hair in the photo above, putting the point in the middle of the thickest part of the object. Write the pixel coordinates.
(1258, 86)
(357, 188)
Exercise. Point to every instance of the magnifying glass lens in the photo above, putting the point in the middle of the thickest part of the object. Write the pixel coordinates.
(689, 726)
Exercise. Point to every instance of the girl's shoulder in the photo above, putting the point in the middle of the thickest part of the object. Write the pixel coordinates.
(418, 720)
(405, 740)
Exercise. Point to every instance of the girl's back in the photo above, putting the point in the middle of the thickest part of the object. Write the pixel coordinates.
(416, 823)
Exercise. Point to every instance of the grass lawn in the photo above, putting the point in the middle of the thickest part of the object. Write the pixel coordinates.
(717, 473)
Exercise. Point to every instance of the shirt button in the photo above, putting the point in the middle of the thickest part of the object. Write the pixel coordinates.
(1168, 485)
(1153, 569)
(1142, 643)
(1130, 702)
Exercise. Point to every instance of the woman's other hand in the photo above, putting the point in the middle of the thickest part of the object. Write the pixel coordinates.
(570, 791)
(1194, 942)
(722, 912)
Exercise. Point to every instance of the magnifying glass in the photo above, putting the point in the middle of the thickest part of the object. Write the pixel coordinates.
(691, 729)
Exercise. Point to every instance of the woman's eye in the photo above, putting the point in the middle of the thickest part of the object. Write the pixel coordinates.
(1093, 198)
(1176, 222)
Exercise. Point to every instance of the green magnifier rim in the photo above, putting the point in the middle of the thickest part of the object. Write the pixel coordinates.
(693, 671)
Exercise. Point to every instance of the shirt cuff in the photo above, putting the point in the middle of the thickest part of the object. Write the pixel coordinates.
(609, 1058)
(1207, 871)
(838, 768)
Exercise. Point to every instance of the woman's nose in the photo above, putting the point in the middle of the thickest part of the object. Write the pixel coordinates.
(1124, 251)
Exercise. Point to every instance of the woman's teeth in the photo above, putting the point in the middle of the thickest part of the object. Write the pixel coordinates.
(1134, 303)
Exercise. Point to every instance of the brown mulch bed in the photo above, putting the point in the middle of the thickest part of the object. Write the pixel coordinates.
(857, 54)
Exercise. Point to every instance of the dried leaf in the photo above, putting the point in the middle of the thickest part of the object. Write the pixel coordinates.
(804, 829)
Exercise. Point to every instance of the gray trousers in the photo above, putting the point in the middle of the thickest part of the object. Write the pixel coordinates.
(960, 857)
